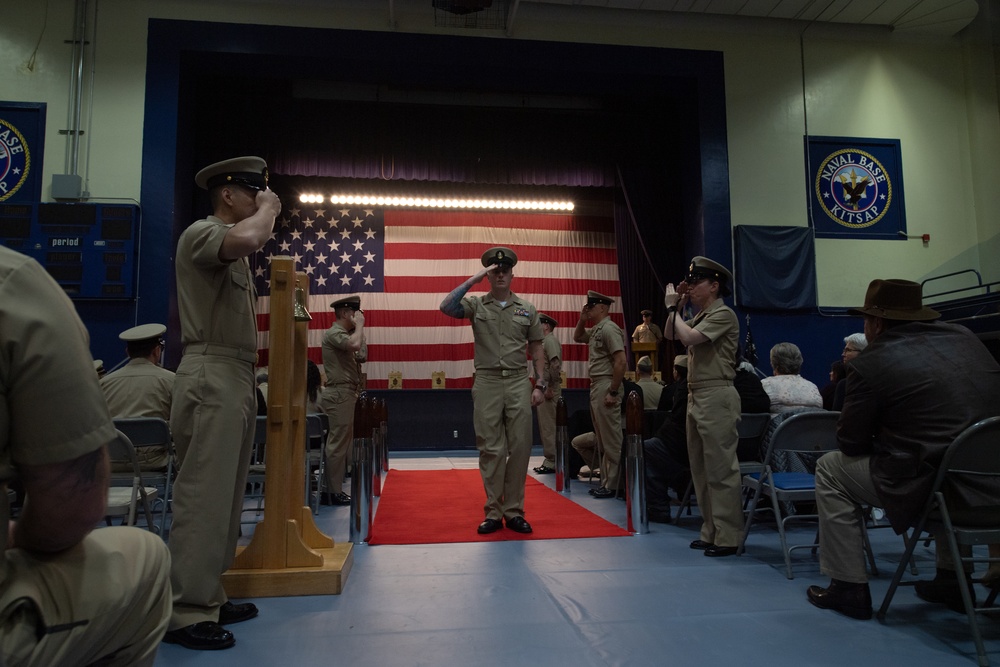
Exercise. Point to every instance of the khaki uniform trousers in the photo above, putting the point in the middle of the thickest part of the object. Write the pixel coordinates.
(608, 427)
(713, 413)
(843, 484)
(338, 402)
(586, 445)
(213, 419)
(547, 427)
(502, 419)
(106, 599)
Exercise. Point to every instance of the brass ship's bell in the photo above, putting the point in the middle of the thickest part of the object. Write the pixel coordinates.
(301, 313)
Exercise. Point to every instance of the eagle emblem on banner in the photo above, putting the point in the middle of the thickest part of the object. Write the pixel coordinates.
(15, 160)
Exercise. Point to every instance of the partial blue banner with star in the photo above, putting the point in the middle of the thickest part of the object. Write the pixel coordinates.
(855, 188)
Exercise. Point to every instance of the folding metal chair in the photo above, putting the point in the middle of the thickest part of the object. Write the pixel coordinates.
(125, 495)
(804, 433)
(751, 425)
(256, 473)
(317, 428)
(153, 432)
(973, 456)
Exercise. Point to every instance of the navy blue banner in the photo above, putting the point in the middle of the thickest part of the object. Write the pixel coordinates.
(855, 188)
(22, 133)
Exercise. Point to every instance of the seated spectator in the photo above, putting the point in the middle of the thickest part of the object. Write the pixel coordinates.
(68, 594)
(141, 388)
(679, 379)
(665, 454)
(837, 373)
(261, 380)
(651, 389)
(909, 395)
(789, 390)
(853, 346)
(314, 380)
(585, 445)
(753, 398)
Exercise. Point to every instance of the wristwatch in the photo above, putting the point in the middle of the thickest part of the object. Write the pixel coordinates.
(542, 385)
(613, 392)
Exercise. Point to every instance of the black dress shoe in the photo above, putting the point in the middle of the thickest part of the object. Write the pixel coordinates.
(335, 499)
(854, 600)
(701, 544)
(715, 551)
(518, 524)
(603, 492)
(204, 636)
(943, 589)
(489, 526)
(236, 613)
(544, 470)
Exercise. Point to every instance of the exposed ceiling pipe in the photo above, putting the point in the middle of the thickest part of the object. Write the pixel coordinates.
(76, 85)
(392, 15)
(510, 17)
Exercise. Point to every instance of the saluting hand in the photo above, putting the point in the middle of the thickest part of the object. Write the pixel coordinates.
(671, 297)
(268, 202)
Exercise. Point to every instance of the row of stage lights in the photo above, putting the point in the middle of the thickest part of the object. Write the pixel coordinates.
(434, 202)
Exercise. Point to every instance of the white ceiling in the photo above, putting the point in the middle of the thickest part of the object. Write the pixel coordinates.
(939, 17)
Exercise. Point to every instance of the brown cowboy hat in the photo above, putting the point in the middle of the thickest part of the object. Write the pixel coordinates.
(895, 299)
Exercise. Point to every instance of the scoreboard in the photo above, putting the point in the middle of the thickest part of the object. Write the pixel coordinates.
(90, 249)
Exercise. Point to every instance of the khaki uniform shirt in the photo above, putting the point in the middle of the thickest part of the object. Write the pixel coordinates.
(603, 340)
(340, 364)
(217, 300)
(647, 334)
(552, 350)
(714, 361)
(44, 363)
(651, 392)
(502, 332)
(139, 389)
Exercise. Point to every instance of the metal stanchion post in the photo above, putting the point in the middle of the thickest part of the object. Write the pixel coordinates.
(375, 410)
(361, 476)
(384, 425)
(562, 447)
(635, 469)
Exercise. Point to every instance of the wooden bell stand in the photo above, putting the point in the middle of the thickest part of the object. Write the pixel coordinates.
(287, 554)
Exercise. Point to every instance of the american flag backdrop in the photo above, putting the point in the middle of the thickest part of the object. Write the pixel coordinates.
(403, 262)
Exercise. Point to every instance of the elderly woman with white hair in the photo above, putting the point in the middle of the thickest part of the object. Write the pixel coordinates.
(787, 389)
(853, 346)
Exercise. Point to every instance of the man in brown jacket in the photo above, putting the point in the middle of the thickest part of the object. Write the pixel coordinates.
(910, 393)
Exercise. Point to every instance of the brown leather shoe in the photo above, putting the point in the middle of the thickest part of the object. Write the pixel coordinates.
(854, 600)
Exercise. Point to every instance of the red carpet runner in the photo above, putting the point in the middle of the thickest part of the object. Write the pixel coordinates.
(434, 506)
